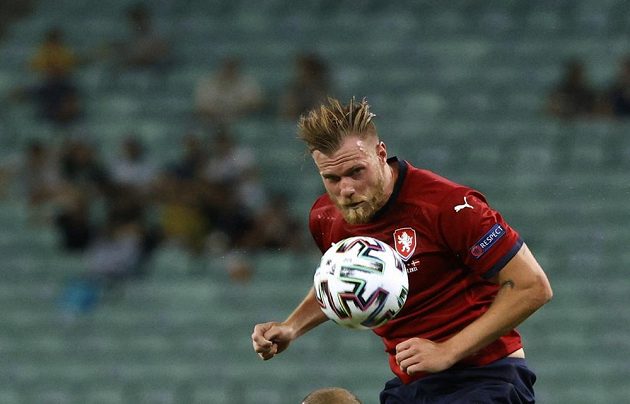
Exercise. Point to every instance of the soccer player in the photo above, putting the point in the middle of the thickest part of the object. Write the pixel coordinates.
(472, 279)
(331, 395)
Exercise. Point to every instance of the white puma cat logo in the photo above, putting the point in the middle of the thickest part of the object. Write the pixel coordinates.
(460, 207)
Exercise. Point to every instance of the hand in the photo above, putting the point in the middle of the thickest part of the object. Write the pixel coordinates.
(269, 339)
(421, 355)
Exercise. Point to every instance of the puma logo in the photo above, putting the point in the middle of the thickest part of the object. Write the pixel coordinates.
(465, 205)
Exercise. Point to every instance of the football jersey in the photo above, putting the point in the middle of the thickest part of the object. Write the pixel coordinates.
(452, 242)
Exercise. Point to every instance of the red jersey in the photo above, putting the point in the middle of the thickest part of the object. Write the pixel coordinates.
(452, 243)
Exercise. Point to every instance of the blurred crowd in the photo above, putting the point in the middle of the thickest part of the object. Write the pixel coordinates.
(576, 97)
(211, 199)
(220, 98)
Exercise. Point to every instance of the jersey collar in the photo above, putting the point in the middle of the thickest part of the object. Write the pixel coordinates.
(402, 173)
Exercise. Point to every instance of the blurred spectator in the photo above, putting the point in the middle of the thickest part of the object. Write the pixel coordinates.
(11, 11)
(39, 174)
(57, 97)
(132, 168)
(34, 175)
(181, 195)
(115, 255)
(274, 228)
(193, 159)
(227, 95)
(53, 56)
(72, 222)
(234, 166)
(229, 161)
(55, 94)
(82, 168)
(229, 219)
(251, 190)
(125, 241)
(573, 97)
(309, 88)
(619, 93)
(230, 223)
(180, 203)
(145, 47)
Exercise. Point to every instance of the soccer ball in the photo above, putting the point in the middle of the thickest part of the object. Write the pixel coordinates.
(361, 283)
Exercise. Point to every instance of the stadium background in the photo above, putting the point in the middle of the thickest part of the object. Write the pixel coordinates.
(458, 87)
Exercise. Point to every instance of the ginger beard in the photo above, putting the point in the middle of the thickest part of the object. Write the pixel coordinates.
(368, 204)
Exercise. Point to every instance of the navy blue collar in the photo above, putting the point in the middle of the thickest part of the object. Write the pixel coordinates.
(402, 173)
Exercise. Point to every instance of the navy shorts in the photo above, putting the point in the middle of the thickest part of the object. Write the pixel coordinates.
(507, 380)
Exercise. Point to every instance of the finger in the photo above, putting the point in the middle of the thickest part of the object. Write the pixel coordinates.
(403, 346)
(261, 343)
(414, 369)
(273, 333)
(403, 355)
(407, 363)
(270, 353)
(258, 339)
(265, 356)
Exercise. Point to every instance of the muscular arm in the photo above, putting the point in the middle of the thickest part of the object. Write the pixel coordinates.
(269, 339)
(524, 288)
(306, 316)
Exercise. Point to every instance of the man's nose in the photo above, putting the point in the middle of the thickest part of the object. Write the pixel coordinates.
(347, 188)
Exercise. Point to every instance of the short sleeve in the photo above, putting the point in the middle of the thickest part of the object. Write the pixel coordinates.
(477, 234)
(315, 224)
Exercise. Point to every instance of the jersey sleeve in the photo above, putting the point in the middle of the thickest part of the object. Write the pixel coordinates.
(476, 233)
(315, 224)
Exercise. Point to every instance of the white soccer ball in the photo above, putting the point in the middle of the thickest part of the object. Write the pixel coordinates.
(361, 283)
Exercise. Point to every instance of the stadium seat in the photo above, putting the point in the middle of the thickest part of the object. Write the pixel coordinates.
(104, 395)
(202, 395)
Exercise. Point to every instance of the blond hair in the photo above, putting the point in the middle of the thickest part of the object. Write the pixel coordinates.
(325, 127)
(331, 395)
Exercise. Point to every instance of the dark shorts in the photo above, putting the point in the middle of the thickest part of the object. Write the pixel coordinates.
(507, 380)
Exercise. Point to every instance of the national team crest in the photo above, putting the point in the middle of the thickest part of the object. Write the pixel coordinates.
(405, 242)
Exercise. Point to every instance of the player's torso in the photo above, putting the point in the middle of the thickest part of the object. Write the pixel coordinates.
(440, 298)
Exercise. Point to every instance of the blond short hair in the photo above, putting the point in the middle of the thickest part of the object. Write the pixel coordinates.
(331, 395)
(325, 127)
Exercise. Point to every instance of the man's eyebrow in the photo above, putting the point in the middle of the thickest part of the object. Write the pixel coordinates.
(346, 173)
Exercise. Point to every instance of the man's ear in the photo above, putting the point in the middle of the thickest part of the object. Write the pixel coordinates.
(381, 151)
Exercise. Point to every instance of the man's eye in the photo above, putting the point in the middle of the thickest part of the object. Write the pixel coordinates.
(357, 171)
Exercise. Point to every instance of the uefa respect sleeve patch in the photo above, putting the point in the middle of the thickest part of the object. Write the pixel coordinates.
(487, 241)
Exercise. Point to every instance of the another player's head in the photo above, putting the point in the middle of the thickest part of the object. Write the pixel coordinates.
(351, 159)
(331, 395)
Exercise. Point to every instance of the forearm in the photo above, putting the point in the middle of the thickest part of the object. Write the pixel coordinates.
(306, 316)
(510, 308)
(518, 297)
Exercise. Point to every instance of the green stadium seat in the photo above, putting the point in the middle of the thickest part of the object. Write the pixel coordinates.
(10, 395)
(218, 395)
(105, 395)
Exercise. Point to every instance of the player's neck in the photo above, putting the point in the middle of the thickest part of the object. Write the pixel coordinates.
(391, 175)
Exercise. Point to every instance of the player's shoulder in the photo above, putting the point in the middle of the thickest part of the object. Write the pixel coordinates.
(429, 188)
(322, 202)
(322, 207)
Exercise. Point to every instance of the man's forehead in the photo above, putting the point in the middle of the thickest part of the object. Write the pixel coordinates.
(349, 153)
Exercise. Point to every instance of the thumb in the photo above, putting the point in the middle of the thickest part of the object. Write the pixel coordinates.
(275, 333)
